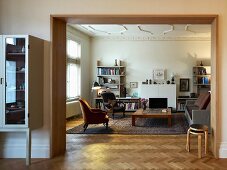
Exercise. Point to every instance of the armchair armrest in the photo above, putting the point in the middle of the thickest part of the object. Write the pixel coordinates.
(101, 114)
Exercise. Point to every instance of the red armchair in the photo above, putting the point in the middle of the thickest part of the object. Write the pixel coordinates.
(93, 115)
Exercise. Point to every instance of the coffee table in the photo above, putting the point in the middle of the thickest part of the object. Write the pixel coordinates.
(152, 113)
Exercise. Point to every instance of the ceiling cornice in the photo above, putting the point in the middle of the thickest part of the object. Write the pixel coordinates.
(151, 38)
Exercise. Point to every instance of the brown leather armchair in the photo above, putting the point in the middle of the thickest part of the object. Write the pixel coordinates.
(111, 104)
(93, 115)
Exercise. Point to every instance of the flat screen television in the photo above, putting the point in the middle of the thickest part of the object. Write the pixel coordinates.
(155, 103)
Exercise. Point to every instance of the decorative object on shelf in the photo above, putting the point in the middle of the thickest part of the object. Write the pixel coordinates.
(172, 78)
(123, 73)
(133, 84)
(158, 74)
(184, 84)
(144, 103)
(150, 81)
(98, 63)
(167, 82)
(115, 62)
(201, 63)
(23, 49)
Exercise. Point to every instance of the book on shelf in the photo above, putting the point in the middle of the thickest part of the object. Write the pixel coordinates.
(108, 71)
(131, 106)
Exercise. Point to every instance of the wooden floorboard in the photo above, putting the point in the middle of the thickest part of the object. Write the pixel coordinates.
(111, 151)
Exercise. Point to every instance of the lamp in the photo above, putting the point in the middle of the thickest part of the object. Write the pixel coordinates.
(95, 86)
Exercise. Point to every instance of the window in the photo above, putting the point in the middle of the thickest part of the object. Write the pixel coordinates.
(73, 69)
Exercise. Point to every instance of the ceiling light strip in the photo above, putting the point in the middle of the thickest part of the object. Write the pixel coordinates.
(145, 30)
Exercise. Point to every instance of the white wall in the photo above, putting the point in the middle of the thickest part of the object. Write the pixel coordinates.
(142, 57)
(33, 17)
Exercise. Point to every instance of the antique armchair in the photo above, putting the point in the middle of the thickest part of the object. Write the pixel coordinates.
(111, 104)
(93, 115)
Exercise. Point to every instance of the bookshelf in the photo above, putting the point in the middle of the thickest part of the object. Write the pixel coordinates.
(202, 78)
(131, 104)
(113, 78)
(181, 101)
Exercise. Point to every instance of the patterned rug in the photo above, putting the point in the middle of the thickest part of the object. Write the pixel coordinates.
(143, 126)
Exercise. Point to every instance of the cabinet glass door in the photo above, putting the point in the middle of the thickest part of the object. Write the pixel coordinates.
(15, 80)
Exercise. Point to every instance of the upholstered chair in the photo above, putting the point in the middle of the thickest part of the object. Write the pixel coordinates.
(93, 115)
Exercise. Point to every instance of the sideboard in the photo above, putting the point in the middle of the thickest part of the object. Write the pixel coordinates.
(159, 91)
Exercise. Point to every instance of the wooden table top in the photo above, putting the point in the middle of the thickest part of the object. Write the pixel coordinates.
(152, 112)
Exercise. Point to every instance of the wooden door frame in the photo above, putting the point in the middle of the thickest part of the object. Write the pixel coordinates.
(58, 63)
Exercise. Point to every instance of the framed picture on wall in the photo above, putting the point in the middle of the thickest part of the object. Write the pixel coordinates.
(133, 84)
(158, 74)
(184, 84)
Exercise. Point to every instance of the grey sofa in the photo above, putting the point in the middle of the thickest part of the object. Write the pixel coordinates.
(198, 112)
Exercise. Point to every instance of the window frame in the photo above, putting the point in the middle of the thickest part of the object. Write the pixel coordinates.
(76, 61)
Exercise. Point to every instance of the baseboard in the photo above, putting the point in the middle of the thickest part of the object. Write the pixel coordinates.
(19, 151)
(223, 150)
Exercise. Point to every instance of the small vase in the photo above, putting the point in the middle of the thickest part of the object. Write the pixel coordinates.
(144, 106)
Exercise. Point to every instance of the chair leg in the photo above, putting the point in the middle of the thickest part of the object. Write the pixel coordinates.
(106, 125)
(188, 141)
(85, 126)
(123, 114)
(199, 146)
(113, 115)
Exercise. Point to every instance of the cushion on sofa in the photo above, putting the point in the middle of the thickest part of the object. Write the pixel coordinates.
(190, 108)
(203, 100)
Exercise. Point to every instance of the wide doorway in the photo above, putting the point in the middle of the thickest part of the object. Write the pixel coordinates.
(58, 63)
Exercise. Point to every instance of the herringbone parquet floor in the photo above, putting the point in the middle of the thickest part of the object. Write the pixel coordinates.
(118, 152)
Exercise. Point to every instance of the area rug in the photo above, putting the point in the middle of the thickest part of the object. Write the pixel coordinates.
(120, 125)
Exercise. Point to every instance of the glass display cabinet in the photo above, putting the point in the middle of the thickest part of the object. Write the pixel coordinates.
(16, 81)
(21, 85)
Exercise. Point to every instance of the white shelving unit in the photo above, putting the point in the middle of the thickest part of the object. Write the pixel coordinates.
(202, 78)
(181, 101)
(112, 77)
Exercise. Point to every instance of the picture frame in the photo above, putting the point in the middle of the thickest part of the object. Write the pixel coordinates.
(133, 84)
(159, 74)
(184, 84)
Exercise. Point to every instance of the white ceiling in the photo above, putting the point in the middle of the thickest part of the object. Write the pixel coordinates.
(151, 30)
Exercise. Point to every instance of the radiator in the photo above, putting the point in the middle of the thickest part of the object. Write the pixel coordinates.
(72, 109)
